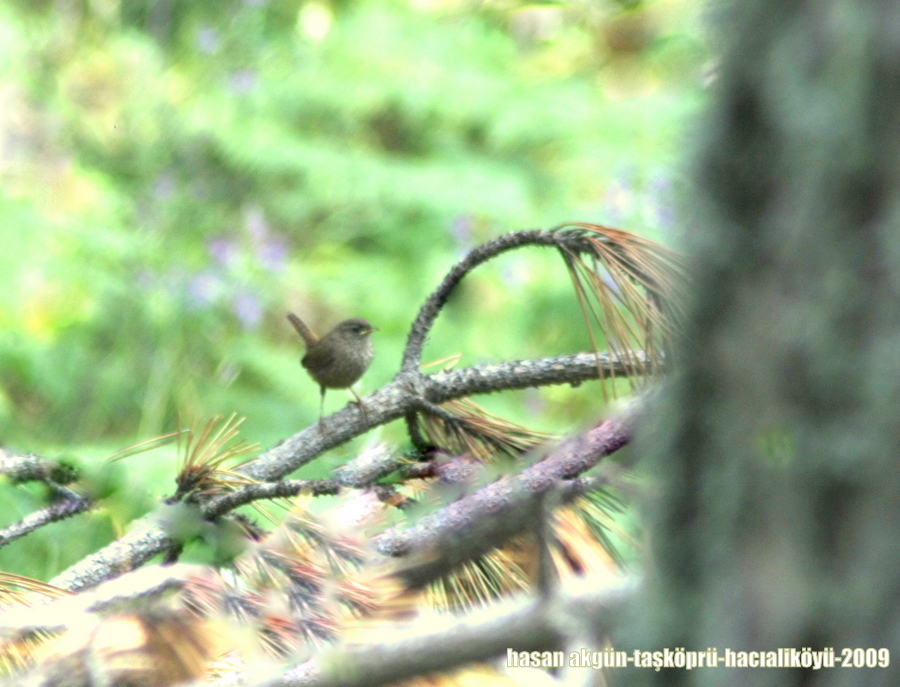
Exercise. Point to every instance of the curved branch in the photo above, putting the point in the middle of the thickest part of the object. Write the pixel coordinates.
(412, 355)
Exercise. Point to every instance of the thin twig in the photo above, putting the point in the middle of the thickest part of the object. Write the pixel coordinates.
(270, 490)
(53, 513)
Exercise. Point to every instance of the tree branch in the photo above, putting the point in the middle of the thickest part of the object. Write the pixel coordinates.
(53, 513)
(147, 539)
(531, 625)
(129, 592)
(270, 490)
(396, 400)
(479, 522)
(412, 355)
(30, 468)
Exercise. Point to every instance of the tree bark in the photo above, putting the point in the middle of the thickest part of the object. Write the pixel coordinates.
(779, 519)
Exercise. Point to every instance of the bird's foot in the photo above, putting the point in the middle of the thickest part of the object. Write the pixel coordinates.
(362, 409)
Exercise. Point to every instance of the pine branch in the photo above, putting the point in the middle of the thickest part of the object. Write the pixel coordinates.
(530, 625)
(631, 261)
(258, 491)
(479, 522)
(128, 592)
(423, 323)
(397, 399)
(30, 468)
(53, 513)
(146, 539)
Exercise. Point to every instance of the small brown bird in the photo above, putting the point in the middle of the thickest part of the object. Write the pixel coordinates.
(338, 359)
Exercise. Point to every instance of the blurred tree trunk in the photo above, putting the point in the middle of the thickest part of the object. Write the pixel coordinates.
(778, 523)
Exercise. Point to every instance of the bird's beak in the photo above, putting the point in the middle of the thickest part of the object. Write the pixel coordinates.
(374, 329)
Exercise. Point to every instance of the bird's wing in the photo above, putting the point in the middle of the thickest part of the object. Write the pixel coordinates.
(319, 357)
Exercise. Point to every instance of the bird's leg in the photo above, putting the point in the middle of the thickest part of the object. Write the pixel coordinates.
(362, 406)
(322, 413)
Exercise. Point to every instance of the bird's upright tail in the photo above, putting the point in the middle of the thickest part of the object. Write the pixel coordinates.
(305, 332)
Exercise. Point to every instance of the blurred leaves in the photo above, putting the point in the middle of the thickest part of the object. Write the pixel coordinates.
(176, 175)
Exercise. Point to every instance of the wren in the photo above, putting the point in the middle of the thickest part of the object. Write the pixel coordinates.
(338, 359)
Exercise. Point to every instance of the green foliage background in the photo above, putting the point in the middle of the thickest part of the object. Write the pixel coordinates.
(176, 175)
